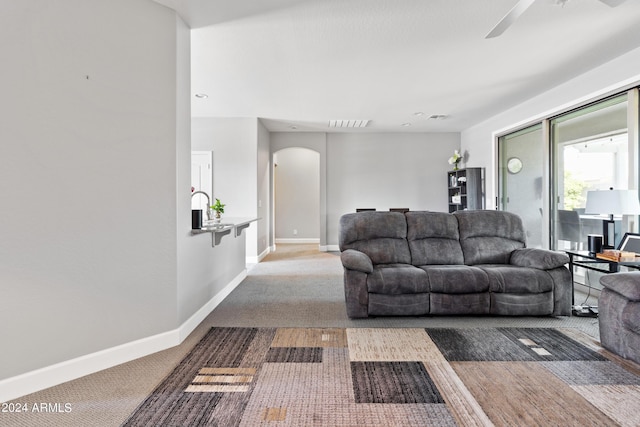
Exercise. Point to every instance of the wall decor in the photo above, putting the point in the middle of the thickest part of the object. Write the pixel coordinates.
(514, 165)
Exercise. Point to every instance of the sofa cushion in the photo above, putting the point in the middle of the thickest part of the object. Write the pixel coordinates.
(626, 284)
(489, 237)
(399, 305)
(538, 258)
(541, 304)
(460, 304)
(456, 279)
(393, 279)
(380, 235)
(433, 238)
(631, 317)
(517, 280)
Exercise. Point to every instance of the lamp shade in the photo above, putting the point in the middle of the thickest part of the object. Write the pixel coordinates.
(613, 202)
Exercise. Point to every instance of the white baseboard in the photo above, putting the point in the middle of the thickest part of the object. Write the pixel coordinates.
(299, 241)
(264, 254)
(187, 327)
(330, 248)
(259, 258)
(39, 379)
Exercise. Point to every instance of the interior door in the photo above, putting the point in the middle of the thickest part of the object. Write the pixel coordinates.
(201, 178)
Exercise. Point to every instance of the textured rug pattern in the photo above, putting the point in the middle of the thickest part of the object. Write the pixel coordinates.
(393, 377)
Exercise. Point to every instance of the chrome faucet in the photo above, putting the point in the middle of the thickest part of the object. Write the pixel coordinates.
(208, 202)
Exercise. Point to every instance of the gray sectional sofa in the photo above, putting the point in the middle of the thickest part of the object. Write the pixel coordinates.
(619, 314)
(434, 263)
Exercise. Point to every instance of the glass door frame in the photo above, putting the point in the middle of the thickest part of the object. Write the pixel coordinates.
(549, 178)
(584, 111)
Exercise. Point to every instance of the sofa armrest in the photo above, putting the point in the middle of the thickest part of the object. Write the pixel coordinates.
(626, 284)
(356, 260)
(542, 259)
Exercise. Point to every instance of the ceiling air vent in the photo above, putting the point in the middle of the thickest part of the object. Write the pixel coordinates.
(348, 123)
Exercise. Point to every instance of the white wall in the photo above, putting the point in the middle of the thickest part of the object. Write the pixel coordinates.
(382, 171)
(609, 78)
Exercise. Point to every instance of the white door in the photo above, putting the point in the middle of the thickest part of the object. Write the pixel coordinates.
(201, 178)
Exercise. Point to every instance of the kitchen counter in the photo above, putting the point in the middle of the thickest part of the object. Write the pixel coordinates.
(225, 227)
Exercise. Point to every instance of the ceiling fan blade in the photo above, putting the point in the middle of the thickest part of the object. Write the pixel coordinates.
(511, 17)
(613, 3)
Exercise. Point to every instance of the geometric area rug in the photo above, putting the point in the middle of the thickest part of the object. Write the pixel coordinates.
(394, 377)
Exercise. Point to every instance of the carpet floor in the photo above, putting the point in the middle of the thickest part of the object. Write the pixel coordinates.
(389, 377)
(295, 287)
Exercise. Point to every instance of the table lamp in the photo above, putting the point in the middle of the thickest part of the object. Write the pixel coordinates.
(611, 202)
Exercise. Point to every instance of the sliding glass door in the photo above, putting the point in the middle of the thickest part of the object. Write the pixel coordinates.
(521, 169)
(590, 151)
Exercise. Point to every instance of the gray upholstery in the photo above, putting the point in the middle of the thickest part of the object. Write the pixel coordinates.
(619, 314)
(489, 237)
(469, 262)
(537, 258)
(398, 305)
(460, 304)
(433, 238)
(456, 279)
(391, 279)
(356, 260)
(382, 236)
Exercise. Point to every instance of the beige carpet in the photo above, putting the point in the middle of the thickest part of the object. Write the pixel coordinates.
(297, 286)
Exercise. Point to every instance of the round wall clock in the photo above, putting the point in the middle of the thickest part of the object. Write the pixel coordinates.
(514, 165)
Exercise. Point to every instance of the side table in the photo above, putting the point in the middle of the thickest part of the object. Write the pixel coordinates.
(589, 261)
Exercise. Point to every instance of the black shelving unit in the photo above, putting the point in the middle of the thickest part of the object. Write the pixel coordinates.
(465, 189)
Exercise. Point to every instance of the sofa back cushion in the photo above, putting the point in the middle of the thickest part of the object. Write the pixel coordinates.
(489, 237)
(433, 238)
(380, 235)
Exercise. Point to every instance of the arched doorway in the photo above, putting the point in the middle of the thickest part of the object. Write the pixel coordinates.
(296, 195)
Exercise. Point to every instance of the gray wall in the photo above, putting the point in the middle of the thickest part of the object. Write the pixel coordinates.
(88, 178)
(97, 262)
(205, 273)
(315, 141)
(236, 147)
(382, 171)
(264, 190)
(378, 170)
(297, 195)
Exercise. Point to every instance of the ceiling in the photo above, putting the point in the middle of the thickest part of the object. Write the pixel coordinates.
(297, 64)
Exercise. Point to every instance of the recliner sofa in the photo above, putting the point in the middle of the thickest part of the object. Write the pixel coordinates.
(619, 314)
(435, 263)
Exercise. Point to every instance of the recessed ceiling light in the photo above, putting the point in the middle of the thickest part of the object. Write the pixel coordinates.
(293, 127)
(406, 124)
(201, 95)
(438, 116)
(418, 113)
